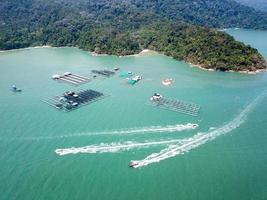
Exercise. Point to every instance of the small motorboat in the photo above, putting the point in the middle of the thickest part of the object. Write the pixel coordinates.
(195, 125)
(133, 163)
(156, 97)
(116, 68)
(15, 89)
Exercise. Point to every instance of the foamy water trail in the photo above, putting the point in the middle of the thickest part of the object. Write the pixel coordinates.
(113, 147)
(129, 131)
(142, 130)
(200, 138)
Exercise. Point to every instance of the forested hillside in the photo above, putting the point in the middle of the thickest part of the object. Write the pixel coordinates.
(211, 13)
(124, 27)
(257, 4)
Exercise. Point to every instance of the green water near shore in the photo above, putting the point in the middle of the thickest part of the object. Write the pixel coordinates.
(231, 166)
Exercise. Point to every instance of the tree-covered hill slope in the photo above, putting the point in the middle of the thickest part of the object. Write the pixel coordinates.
(120, 27)
(257, 4)
(211, 13)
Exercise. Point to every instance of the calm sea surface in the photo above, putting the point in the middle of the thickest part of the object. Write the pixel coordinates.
(224, 158)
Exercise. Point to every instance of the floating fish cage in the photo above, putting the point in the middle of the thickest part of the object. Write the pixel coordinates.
(134, 80)
(70, 78)
(105, 73)
(126, 74)
(72, 100)
(175, 105)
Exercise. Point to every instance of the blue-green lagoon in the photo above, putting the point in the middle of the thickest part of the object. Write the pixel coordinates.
(223, 158)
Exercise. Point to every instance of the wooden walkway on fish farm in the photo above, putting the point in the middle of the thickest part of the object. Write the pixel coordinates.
(69, 101)
(177, 106)
(105, 73)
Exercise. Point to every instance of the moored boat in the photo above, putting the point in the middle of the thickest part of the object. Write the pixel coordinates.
(134, 80)
(156, 97)
(167, 81)
(56, 76)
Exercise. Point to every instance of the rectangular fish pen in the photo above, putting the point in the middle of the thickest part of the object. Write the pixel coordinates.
(105, 73)
(175, 105)
(71, 78)
(69, 101)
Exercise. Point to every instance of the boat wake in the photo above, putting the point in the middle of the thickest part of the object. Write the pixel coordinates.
(130, 131)
(143, 130)
(200, 138)
(113, 147)
(174, 147)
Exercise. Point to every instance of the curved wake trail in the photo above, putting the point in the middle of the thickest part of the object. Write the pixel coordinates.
(113, 147)
(200, 138)
(175, 147)
(130, 131)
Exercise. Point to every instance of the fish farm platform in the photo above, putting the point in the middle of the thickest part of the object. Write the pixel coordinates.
(126, 74)
(72, 100)
(176, 105)
(105, 73)
(70, 78)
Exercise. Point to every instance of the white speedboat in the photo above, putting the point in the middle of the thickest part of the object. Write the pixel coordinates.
(133, 163)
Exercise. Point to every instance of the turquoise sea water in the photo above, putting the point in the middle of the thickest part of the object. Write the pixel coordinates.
(227, 161)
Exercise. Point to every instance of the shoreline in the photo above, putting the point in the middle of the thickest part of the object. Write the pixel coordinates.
(258, 71)
(143, 53)
(27, 48)
(148, 51)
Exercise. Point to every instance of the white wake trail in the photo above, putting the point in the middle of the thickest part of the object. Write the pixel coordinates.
(129, 131)
(142, 130)
(112, 147)
(200, 138)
